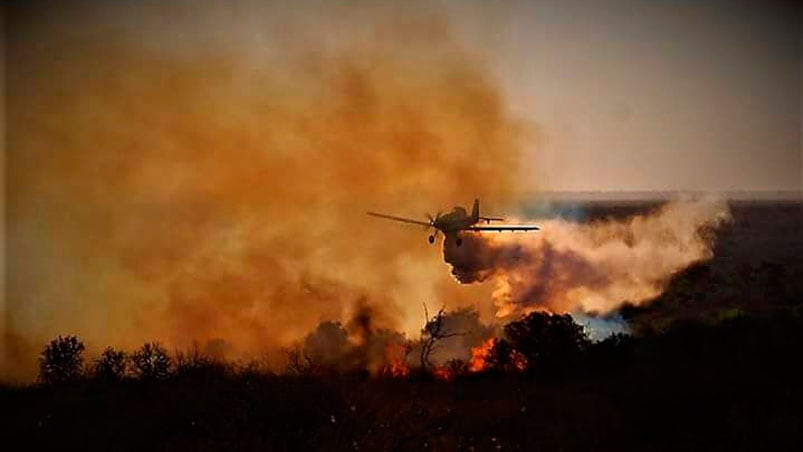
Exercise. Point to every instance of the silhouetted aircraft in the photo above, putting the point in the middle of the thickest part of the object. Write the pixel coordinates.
(456, 221)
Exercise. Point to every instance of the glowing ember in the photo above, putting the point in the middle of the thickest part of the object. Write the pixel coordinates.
(480, 355)
(519, 361)
(395, 356)
(442, 373)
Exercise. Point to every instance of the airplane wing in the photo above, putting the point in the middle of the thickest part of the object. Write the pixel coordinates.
(501, 228)
(492, 219)
(403, 220)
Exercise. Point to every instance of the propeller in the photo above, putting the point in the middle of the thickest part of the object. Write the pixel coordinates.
(432, 220)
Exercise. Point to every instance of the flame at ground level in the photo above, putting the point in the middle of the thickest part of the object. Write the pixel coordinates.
(395, 357)
(480, 355)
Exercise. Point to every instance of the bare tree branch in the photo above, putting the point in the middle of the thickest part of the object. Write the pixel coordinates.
(432, 333)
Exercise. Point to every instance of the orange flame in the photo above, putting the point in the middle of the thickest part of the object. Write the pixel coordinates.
(442, 373)
(396, 366)
(480, 355)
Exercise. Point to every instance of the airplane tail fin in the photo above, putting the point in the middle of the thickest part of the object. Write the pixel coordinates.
(475, 210)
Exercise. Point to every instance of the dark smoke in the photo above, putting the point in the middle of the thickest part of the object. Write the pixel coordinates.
(593, 267)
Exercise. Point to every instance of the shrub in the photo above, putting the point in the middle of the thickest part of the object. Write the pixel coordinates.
(111, 365)
(61, 360)
(151, 362)
(547, 341)
(194, 363)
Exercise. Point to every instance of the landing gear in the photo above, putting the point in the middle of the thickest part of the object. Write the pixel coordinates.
(432, 239)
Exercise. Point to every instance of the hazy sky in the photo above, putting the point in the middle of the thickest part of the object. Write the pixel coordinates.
(618, 94)
(638, 94)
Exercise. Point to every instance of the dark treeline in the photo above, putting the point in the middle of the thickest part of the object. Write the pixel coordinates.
(733, 383)
(539, 343)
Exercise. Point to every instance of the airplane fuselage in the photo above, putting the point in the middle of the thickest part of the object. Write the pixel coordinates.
(454, 221)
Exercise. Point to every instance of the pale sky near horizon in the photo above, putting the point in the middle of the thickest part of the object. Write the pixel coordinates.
(646, 95)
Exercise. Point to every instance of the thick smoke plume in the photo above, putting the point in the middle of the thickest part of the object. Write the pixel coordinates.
(588, 267)
(201, 171)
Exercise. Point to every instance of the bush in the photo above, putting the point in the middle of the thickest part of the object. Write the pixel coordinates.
(503, 358)
(547, 341)
(111, 365)
(193, 363)
(151, 362)
(61, 360)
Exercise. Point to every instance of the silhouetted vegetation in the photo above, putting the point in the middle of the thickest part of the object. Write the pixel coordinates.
(111, 365)
(299, 364)
(547, 342)
(612, 352)
(503, 358)
(61, 360)
(151, 362)
(731, 384)
(433, 332)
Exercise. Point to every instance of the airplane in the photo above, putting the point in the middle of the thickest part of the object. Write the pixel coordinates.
(458, 220)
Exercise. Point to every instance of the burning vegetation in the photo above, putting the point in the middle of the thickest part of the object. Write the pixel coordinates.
(480, 356)
(199, 194)
(537, 342)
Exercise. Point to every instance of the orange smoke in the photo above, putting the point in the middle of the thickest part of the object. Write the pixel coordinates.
(212, 187)
(590, 267)
(197, 190)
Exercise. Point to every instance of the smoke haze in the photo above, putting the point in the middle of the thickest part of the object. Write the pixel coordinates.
(201, 171)
(199, 191)
(591, 267)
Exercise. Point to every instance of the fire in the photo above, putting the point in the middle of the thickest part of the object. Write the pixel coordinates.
(480, 355)
(519, 361)
(442, 373)
(395, 356)
(397, 369)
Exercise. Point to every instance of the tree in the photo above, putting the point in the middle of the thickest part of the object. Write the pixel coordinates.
(191, 360)
(111, 365)
(151, 361)
(456, 367)
(501, 357)
(299, 364)
(612, 352)
(547, 341)
(432, 332)
(61, 360)
(195, 363)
